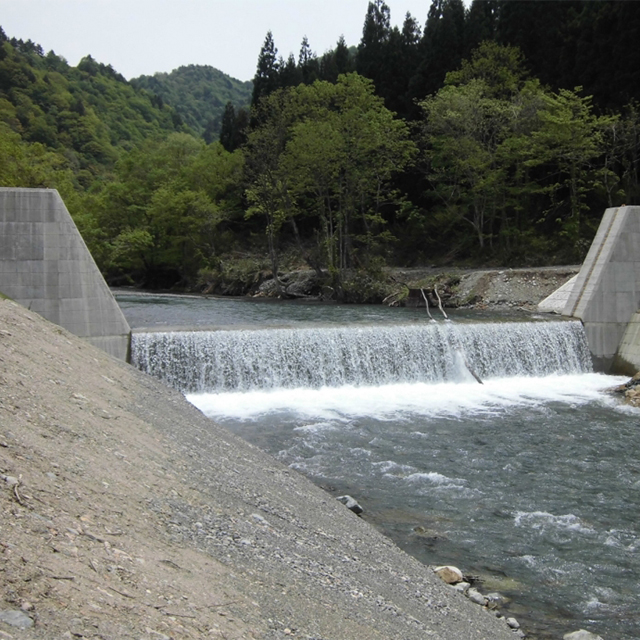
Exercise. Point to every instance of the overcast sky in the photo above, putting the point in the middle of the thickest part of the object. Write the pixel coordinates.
(144, 36)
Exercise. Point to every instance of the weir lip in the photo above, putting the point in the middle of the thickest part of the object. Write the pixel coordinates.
(418, 322)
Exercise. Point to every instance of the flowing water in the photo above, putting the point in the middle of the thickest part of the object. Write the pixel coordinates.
(530, 481)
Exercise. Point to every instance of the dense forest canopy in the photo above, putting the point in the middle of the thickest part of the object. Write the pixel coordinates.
(199, 93)
(493, 134)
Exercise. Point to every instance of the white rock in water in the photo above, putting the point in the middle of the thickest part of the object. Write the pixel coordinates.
(451, 575)
(513, 623)
(581, 634)
(350, 503)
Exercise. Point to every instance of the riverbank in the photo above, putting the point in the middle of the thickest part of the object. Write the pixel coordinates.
(466, 288)
(128, 514)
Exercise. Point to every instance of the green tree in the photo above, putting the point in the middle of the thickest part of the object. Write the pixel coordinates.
(266, 79)
(515, 162)
(161, 218)
(570, 143)
(477, 148)
(464, 129)
(328, 154)
(267, 191)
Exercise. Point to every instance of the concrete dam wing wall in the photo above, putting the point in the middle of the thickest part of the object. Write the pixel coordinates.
(46, 267)
(606, 294)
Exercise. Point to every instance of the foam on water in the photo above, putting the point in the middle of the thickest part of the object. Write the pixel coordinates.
(394, 401)
(541, 520)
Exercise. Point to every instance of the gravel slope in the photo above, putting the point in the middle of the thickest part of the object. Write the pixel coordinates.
(125, 513)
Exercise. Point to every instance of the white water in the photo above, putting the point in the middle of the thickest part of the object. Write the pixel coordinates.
(397, 401)
(316, 357)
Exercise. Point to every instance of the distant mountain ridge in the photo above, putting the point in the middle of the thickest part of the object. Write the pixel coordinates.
(199, 93)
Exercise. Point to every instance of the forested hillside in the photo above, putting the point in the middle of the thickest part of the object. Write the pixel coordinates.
(89, 113)
(199, 93)
(66, 127)
(493, 135)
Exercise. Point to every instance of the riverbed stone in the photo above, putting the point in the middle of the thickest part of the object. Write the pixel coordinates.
(475, 596)
(449, 573)
(462, 587)
(496, 599)
(581, 634)
(513, 623)
(15, 618)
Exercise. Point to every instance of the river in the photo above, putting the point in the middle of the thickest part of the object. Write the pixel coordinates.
(529, 481)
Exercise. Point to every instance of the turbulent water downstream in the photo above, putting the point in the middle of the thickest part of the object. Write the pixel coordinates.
(530, 480)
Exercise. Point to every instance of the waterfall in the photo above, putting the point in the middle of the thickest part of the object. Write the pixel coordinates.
(248, 359)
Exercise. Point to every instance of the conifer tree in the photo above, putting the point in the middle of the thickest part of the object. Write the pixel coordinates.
(372, 49)
(528, 24)
(308, 63)
(343, 62)
(266, 79)
(228, 128)
(480, 24)
(441, 47)
(289, 73)
(233, 127)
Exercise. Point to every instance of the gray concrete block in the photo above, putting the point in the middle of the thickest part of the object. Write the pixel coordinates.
(607, 290)
(45, 264)
(626, 306)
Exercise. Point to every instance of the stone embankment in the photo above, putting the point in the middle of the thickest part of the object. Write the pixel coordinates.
(125, 513)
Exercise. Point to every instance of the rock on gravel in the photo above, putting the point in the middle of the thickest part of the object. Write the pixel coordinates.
(134, 516)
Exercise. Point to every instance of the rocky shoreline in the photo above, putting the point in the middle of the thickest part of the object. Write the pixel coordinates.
(457, 288)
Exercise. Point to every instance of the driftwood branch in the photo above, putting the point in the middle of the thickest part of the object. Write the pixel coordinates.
(426, 301)
(471, 371)
(435, 290)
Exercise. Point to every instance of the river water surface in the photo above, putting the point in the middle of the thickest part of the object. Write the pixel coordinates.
(530, 481)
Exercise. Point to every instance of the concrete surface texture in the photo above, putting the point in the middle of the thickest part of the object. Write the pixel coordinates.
(557, 301)
(46, 266)
(627, 360)
(606, 293)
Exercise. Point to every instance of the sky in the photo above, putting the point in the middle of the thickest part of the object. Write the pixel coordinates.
(146, 36)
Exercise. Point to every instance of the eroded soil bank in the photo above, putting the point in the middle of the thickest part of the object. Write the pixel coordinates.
(125, 513)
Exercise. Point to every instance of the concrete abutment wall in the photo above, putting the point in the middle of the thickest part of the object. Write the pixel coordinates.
(606, 293)
(46, 266)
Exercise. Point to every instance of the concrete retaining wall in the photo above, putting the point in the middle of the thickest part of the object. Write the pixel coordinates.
(627, 360)
(606, 293)
(46, 266)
